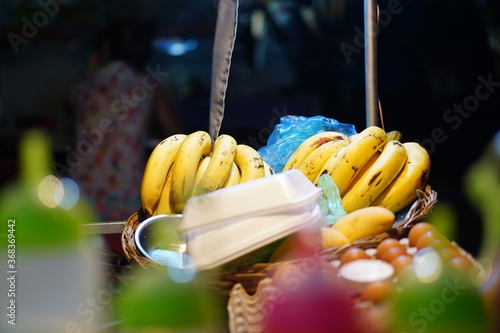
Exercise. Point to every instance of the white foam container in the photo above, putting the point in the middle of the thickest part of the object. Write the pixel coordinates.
(228, 223)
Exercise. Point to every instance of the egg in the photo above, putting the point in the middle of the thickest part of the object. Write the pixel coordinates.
(450, 252)
(418, 230)
(377, 292)
(462, 265)
(387, 244)
(440, 242)
(352, 254)
(400, 262)
(392, 253)
(429, 239)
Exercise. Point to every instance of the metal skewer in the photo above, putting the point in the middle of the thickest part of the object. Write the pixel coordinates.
(370, 23)
(225, 34)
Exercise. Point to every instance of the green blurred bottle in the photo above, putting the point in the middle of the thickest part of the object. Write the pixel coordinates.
(169, 300)
(48, 266)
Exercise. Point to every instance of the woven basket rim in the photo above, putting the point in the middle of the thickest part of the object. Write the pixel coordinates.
(252, 274)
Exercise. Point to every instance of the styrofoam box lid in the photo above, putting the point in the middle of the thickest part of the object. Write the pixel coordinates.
(219, 245)
(263, 196)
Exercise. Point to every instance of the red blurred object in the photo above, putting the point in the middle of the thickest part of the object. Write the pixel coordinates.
(313, 303)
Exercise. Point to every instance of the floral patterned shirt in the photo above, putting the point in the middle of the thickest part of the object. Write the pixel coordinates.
(113, 106)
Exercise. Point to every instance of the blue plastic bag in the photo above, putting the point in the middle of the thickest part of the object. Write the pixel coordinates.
(292, 131)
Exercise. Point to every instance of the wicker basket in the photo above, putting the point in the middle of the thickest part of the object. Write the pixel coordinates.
(250, 276)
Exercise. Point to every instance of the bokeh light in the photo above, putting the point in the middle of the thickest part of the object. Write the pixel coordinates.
(71, 193)
(54, 192)
(50, 193)
(427, 265)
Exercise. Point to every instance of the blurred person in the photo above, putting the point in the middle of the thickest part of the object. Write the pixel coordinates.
(113, 102)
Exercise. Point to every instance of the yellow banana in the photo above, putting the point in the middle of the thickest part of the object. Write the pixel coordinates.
(383, 171)
(353, 136)
(308, 145)
(202, 167)
(218, 169)
(159, 163)
(414, 175)
(363, 170)
(330, 163)
(356, 154)
(313, 163)
(365, 222)
(234, 176)
(394, 135)
(267, 169)
(249, 162)
(163, 206)
(196, 145)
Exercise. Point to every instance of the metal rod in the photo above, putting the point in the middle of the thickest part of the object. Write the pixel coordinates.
(370, 22)
(105, 227)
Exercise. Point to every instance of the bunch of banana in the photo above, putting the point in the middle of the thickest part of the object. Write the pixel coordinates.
(370, 168)
(182, 166)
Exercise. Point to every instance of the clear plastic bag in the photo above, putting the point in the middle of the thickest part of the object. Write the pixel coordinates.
(330, 201)
(292, 131)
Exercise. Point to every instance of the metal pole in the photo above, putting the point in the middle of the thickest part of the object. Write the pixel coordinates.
(370, 15)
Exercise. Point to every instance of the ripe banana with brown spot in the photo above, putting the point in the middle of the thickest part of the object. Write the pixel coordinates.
(363, 170)
(414, 176)
(309, 145)
(356, 154)
(267, 169)
(234, 176)
(196, 146)
(164, 206)
(313, 163)
(377, 178)
(249, 163)
(219, 168)
(202, 167)
(329, 164)
(158, 165)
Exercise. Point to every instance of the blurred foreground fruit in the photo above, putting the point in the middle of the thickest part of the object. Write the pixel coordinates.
(49, 270)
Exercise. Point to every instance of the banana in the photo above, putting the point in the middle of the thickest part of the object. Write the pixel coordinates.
(356, 154)
(249, 162)
(313, 163)
(222, 158)
(196, 146)
(202, 167)
(363, 170)
(414, 175)
(394, 135)
(267, 169)
(308, 145)
(353, 136)
(364, 222)
(159, 163)
(383, 171)
(329, 164)
(234, 176)
(163, 206)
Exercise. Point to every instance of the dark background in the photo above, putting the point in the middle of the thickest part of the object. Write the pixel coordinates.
(430, 56)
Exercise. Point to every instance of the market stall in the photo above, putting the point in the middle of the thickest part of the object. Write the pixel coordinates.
(326, 228)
